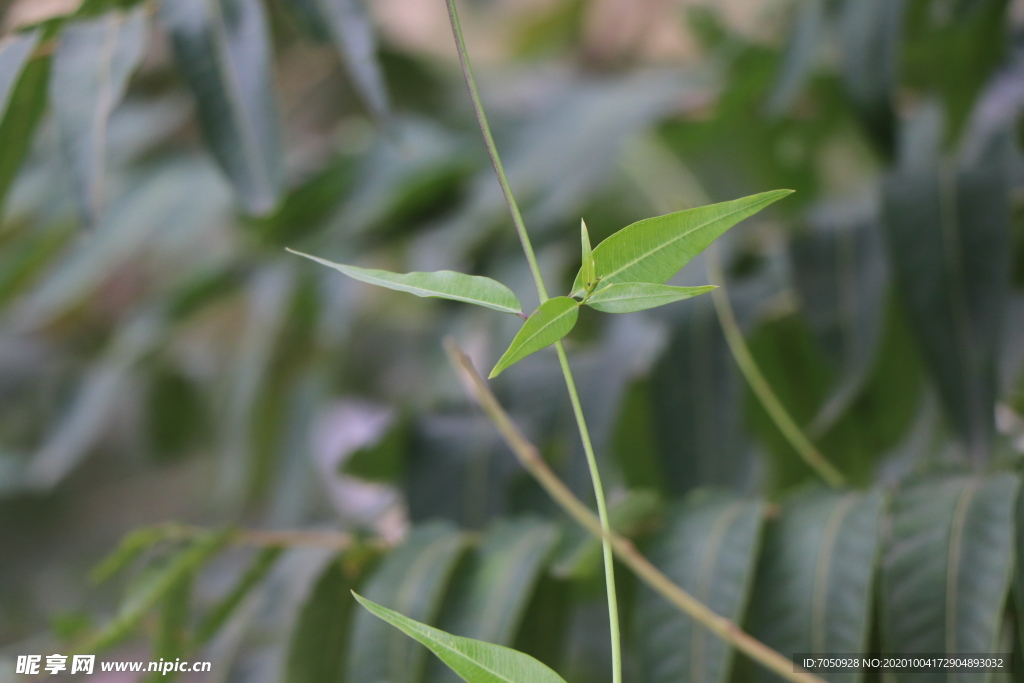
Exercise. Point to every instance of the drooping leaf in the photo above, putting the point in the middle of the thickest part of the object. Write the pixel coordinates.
(91, 68)
(490, 600)
(218, 615)
(443, 284)
(588, 271)
(814, 587)
(155, 587)
(655, 249)
(223, 50)
(348, 25)
(870, 38)
(948, 228)
(23, 79)
(475, 661)
(946, 568)
(709, 548)
(629, 297)
(554, 319)
(130, 547)
(320, 635)
(412, 579)
(798, 62)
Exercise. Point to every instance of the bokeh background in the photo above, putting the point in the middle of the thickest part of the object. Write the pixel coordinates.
(162, 358)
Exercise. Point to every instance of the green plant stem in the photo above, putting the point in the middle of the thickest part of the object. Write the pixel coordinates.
(531, 460)
(542, 293)
(760, 386)
(602, 512)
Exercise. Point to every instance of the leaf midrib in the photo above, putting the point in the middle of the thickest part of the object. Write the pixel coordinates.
(675, 239)
(823, 568)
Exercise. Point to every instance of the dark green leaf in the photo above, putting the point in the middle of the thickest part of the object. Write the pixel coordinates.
(870, 34)
(949, 236)
(348, 25)
(553, 320)
(947, 564)
(814, 587)
(444, 284)
(708, 548)
(383, 460)
(91, 68)
(629, 297)
(23, 81)
(320, 636)
(412, 579)
(475, 661)
(223, 50)
(655, 249)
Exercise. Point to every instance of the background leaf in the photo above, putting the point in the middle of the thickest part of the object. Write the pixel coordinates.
(223, 50)
(91, 68)
(709, 548)
(815, 583)
(23, 79)
(946, 570)
(348, 25)
(949, 230)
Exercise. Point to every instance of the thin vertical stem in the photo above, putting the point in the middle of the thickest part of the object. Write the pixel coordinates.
(542, 293)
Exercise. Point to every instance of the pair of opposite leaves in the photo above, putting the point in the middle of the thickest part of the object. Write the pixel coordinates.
(625, 273)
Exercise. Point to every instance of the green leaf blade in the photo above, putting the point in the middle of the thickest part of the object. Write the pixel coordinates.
(442, 284)
(553, 320)
(474, 660)
(629, 297)
(589, 268)
(946, 571)
(655, 249)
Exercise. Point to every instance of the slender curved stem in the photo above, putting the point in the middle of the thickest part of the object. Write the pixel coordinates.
(542, 293)
(760, 386)
(531, 459)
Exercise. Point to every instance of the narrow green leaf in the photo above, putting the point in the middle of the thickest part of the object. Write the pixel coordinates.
(131, 546)
(155, 587)
(23, 81)
(629, 297)
(553, 320)
(219, 614)
(948, 227)
(348, 25)
(223, 50)
(172, 638)
(474, 660)
(443, 284)
(814, 588)
(319, 637)
(654, 249)
(947, 565)
(588, 271)
(412, 579)
(91, 68)
(709, 548)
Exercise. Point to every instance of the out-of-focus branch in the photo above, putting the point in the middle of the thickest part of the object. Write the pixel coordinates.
(531, 459)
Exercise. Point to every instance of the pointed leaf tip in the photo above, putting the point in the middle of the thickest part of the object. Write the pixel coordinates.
(475, 661)
(553, 320)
